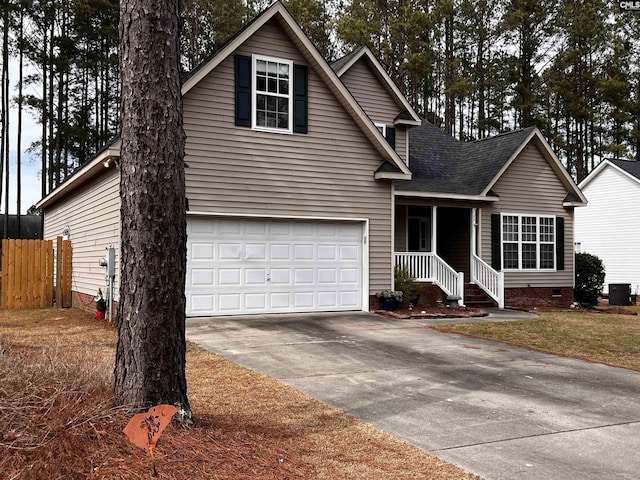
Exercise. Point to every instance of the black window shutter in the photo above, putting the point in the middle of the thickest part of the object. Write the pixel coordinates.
(496, 243)
(300, 98)
(243, 91)
(559, 243)
(391, 136)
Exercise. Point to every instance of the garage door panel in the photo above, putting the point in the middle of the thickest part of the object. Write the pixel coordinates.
(229, 276)
(260, 266)
(303, 252)
(349, 253)
(229, 302)
(304, 300)
(327, 275)
(280, 252)
(327, 299)
(254, 251)
(280, 276)
(303, 276)
(255, 276)
(229, 228)
(202, 251)
(351, 298)
(202, 303)
(202, 277)
(327, 252)
(256, 301)
(349, 276)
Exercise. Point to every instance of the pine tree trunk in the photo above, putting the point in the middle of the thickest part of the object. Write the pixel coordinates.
(151, 349)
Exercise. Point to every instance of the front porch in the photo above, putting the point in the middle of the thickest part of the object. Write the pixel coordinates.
(439, 244)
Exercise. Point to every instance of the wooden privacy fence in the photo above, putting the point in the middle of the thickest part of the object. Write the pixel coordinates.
(29, 279)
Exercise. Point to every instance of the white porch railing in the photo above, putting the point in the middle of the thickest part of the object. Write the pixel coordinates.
(488, 279)
(429, 267)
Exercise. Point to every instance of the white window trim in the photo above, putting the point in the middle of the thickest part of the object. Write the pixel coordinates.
(520, 242)
(254, 94)
(383, 126)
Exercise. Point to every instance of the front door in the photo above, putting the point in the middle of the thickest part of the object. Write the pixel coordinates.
(419, 229)
(454, 238)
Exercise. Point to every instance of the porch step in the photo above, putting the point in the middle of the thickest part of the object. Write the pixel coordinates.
(475, 297)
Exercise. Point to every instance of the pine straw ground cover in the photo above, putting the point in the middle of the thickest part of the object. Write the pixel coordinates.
(57, 419)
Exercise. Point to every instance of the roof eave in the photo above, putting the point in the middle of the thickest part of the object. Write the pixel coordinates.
(392, 176)
(446, 196)
(411, 123)
(91, 168)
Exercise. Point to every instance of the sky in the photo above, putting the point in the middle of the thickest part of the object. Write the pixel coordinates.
(31, 187)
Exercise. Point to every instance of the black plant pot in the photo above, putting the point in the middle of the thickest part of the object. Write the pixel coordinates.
(389, 304)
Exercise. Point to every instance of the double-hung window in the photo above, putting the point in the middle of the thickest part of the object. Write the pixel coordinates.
(272, 94)
(528, 242)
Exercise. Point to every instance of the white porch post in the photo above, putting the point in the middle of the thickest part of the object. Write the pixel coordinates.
(434, 224)
(473, 245)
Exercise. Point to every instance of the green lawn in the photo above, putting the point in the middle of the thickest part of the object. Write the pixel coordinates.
(610, 336)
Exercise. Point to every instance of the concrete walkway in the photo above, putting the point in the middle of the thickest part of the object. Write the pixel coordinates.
(500, 412)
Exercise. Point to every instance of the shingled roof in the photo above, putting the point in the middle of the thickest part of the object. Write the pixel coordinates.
(341, 62)
(632, 167)
(442, 164)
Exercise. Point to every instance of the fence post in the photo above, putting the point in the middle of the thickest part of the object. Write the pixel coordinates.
(48, 281)
(5, 274)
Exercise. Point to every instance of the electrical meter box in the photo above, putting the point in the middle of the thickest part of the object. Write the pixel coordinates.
(111, 262)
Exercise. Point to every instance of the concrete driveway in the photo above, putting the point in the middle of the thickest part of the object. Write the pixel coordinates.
(500, 412)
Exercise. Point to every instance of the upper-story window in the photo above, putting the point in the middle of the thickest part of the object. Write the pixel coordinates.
(387, 132)
(528, 242)
(272, 94)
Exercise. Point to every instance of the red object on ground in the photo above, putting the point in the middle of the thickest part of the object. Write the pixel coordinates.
(99, 315)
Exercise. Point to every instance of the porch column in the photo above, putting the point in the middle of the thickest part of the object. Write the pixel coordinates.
(473, 246)
(434, 232)
(474, 231)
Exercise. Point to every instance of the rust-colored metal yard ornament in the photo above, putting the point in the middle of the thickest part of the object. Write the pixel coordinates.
(144, 429)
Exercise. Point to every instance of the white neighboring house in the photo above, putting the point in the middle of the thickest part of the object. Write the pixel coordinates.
(609, 226)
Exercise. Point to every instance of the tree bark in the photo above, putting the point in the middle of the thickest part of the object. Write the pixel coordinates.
(151, 349)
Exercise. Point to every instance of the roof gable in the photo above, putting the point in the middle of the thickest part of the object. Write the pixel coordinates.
(444, 165)
(629, 168)
(534, 135)
(407, 115)
(278, 12)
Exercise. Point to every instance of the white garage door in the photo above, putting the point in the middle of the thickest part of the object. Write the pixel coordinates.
(268, 266)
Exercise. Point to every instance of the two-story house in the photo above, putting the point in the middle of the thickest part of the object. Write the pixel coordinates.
(307, 183)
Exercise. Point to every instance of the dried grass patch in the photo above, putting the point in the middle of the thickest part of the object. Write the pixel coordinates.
(58, 422)
(609, 338)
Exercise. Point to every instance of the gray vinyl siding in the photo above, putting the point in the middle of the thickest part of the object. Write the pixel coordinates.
(375, 101)
(325, 173)
(531, 186)
(92, 214)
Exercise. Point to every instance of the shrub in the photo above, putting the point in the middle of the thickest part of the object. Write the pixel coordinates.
(589, 279)
(406, 283)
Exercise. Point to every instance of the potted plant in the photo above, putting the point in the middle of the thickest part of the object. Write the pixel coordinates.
(101, 305)
(389, 299)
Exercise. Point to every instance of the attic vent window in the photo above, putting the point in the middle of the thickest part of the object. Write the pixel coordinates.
(272, 94)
